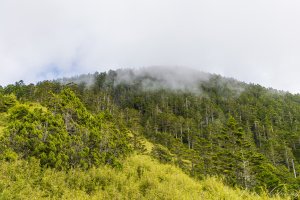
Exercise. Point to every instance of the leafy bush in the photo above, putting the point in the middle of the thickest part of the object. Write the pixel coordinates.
(65, 135)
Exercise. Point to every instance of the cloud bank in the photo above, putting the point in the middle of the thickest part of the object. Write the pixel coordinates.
(254, 41)
(162, 77)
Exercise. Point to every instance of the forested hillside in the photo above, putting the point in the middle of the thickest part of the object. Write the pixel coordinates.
(113, 134)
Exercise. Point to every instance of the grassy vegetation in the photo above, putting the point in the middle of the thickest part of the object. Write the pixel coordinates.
(141, 177)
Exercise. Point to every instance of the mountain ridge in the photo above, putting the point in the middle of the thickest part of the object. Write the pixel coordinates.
(244, 133)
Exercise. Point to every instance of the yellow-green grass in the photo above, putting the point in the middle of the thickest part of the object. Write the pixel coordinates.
(148, 145)
(141, 177)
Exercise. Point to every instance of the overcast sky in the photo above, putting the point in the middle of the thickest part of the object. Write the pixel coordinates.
(251, 40)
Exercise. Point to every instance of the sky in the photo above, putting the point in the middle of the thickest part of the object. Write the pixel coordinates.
(254, 41)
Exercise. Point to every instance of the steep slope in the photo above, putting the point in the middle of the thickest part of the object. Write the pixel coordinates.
(244, 134)
(140, 178)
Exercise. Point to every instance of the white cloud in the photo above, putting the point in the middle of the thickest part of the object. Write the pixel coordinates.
(255, 41)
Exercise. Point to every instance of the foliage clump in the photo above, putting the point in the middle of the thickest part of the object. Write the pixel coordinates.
(64, 135)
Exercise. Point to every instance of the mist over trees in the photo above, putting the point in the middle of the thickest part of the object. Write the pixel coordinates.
(205, 124)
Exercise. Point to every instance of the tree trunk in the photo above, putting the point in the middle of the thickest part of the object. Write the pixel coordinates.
(294, 170)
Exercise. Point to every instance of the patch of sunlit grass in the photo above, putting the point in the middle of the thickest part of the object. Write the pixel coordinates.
(141, 177)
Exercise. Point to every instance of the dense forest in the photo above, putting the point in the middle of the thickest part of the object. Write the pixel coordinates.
(148, 135)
